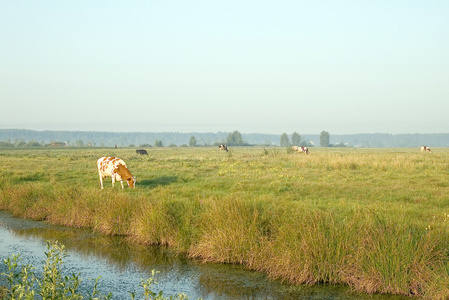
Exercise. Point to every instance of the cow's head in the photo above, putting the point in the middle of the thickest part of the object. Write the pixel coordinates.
(131, 181)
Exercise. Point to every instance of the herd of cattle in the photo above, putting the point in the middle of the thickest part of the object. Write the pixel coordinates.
(115, 167)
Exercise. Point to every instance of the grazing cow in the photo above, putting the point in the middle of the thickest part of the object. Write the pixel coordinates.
(425, 148)
(142, 152)
(300, 149)
(116, 169)
(223, 147)
(303, 149)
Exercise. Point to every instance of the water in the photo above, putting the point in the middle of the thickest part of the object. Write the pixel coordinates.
(122, 265)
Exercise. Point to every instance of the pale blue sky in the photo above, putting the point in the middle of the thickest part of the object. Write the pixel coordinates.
(207, 66)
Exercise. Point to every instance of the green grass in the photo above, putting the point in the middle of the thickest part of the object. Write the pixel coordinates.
(375, 219)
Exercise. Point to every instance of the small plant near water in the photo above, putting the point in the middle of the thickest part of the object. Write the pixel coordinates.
(23, 283)
(149, 294)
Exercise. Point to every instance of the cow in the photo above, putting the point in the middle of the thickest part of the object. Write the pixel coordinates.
(141, 152)
(223, 147)
(115, 168)
(300, 149)
(426, 149)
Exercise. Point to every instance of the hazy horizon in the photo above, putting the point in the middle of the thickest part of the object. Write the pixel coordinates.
(230, 131)
(270, 67)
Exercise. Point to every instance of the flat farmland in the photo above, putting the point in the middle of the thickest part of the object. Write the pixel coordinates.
(374, 219)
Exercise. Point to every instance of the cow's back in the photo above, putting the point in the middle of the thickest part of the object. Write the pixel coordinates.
(107, 165)
(141, 152)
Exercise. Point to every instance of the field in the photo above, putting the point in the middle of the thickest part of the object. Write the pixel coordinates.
(374, 219)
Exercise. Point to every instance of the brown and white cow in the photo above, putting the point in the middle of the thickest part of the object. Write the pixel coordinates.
(223, 147)
(425, 148)
(300, 149)
(115, 168)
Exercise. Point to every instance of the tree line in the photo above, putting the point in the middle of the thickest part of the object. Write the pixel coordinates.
(234, 138)
(31, 138)
(296, 140)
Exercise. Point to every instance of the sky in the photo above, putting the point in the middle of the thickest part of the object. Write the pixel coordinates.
(261, 66)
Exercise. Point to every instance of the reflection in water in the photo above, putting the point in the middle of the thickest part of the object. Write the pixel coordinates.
(121, 266)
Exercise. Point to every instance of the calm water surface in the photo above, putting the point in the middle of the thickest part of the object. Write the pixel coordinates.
(121, 266)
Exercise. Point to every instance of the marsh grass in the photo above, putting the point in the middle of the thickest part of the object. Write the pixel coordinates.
(375, 219)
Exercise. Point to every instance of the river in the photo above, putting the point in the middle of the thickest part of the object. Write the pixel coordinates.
(122, 265)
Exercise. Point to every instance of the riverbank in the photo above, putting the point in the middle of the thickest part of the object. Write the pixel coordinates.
(122, 265)
(372, 219)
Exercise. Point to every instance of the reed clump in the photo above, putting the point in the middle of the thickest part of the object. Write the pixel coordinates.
(376, 220)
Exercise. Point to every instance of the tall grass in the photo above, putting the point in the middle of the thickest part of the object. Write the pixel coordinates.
(376, 220)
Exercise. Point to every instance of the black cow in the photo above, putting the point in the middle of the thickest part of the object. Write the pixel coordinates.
(142, 152)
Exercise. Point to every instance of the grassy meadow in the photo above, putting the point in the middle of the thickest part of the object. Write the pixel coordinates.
(374, 219)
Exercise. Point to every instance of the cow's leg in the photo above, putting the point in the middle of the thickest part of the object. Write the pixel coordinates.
(121, 182)
(101, 179)
(113, 180)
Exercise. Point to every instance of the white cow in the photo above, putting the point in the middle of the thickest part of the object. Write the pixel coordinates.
(116, 169)
(426, 149)
(300, 149)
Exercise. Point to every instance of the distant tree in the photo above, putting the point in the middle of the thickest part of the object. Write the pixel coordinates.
(145, 146)
(296, 139)
(192, 142)
(79, 143)
(285, 142)
(19, 143)
(305, 144)
(324, 139)
(158, 143)
(32, 143)
(235, 139)
(6, 144)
